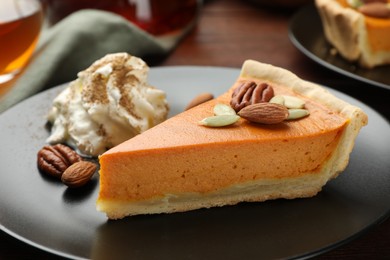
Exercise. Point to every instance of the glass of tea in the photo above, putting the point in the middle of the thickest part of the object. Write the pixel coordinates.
(158, 17)
(20, 25)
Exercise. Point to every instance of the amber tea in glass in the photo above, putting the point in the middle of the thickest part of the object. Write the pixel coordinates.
(20, 25)
(158, 17)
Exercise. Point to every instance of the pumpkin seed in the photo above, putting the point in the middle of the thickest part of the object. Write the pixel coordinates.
(296, 113)
(278, 99)
(355, 3)
(219, 121)
(293, 102)
(222, 109)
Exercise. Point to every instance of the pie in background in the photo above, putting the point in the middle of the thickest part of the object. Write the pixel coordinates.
(358, 29)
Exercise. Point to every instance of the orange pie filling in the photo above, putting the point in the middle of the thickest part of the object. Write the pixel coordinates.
(378, 33)
(199, 160)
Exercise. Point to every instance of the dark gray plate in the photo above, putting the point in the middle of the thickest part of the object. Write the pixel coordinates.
(45, 214)
(307, 35)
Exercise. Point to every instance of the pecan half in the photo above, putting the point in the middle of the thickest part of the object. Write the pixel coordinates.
(249, 93)
(54, 160)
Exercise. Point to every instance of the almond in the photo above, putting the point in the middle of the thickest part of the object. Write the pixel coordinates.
(375, 9)
(78, 174)
(199, 99)
(374, 1)
(264, 113)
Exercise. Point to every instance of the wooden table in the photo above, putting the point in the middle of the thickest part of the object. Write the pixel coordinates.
(228, 32)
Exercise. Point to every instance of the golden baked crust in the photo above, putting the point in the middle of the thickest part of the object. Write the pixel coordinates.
(298, 185)
(345, 28)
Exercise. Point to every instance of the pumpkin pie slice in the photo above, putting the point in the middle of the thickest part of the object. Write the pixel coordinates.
(359, 30)
(180, 165)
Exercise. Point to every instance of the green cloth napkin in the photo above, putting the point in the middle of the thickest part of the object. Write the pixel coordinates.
(74, 44)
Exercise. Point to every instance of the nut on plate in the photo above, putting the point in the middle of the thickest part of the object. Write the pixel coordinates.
(78, 174)
(199, 99)
(54, 160)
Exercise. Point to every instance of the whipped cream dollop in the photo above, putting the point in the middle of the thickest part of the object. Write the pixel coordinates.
(109, 102)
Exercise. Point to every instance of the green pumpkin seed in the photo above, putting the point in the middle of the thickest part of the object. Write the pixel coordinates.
(296, 113)
(219, 121)
(293, 102)
(278, 99)
(355, 3)
(222, 109)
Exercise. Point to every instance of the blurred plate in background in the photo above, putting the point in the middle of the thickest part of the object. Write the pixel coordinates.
(307, 35)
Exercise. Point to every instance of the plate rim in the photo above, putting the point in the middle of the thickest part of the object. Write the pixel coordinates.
(298, 44)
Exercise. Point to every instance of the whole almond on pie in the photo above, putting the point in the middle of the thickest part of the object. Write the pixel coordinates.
(78, 174)
(264, 113)
(374, 1)
(375, 9)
